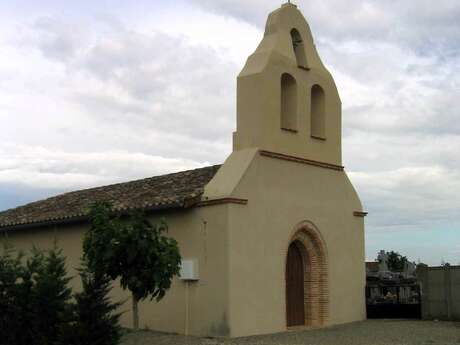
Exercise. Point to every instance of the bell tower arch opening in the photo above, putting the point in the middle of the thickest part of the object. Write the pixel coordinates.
(299, 49)
(288, 102)
(318, 112)
(274, 90)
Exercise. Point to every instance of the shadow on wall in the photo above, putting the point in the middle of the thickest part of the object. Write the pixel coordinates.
(220, 328)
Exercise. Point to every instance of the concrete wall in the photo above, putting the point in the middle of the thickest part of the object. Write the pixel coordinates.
(202, 234)
(440, 292)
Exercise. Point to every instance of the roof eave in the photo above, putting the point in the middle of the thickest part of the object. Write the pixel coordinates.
(188, 203)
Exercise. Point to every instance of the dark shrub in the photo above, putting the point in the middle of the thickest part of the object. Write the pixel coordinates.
(34, 296)
(95, 321)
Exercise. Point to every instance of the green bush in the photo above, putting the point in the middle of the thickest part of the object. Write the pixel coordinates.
(36, 306)
(11, 272)
(95, 321)
(50, 296)
(34, 296)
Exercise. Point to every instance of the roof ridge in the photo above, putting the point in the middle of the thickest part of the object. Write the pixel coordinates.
(131, 181)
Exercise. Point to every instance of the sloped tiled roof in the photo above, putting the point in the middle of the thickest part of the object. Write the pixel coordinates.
(181, 189)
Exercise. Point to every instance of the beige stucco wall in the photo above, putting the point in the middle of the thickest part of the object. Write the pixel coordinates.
(201, 233)
(283, 193)
(259, 94)
(242, 249)
(280, 195)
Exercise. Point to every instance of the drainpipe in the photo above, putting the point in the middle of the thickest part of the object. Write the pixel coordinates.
(187, 307)
(188, 273)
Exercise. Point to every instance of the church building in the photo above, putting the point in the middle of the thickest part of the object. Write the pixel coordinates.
(272, 239)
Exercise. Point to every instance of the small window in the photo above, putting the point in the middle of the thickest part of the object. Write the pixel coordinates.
(318, 110)
(299, 48)
(288, 102)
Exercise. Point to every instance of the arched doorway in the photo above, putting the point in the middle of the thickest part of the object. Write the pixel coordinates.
(295, 310)
(307, 297)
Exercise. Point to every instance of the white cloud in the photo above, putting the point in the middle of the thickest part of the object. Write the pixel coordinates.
(94, 99)
(410, 196)
(419, 24)
(121, 90)
(39, 167)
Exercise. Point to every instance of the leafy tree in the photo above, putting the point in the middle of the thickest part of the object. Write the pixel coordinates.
(133, 250)
(445, 264)
(396, 262)
(94, 320)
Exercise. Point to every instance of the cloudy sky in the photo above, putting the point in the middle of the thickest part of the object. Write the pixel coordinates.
(95, 92)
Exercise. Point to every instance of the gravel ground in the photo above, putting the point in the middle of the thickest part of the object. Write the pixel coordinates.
(371, 332)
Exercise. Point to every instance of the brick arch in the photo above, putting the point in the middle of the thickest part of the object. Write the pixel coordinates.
(314, 254)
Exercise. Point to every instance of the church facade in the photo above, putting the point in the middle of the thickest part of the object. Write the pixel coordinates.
(274, 237)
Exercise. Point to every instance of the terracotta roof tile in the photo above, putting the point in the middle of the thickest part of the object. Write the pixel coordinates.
(179, 189)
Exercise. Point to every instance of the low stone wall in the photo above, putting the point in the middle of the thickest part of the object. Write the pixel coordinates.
(440, 292)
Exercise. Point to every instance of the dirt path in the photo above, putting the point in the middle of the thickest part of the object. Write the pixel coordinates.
(371, 332)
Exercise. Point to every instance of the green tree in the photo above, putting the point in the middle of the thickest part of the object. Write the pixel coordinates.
(396, 262)
(34, 295)
(50, 294)
(133, 250)
(11, 271)
(444, 263)
(95, 320)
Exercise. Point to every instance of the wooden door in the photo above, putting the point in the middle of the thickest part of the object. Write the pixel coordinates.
(295, 306)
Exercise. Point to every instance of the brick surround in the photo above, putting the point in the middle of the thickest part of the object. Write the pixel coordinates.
(311, 245)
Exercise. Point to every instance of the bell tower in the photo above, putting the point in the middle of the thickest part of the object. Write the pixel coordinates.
(287, 101)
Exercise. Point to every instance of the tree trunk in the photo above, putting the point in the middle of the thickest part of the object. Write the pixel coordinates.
(135, 313)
